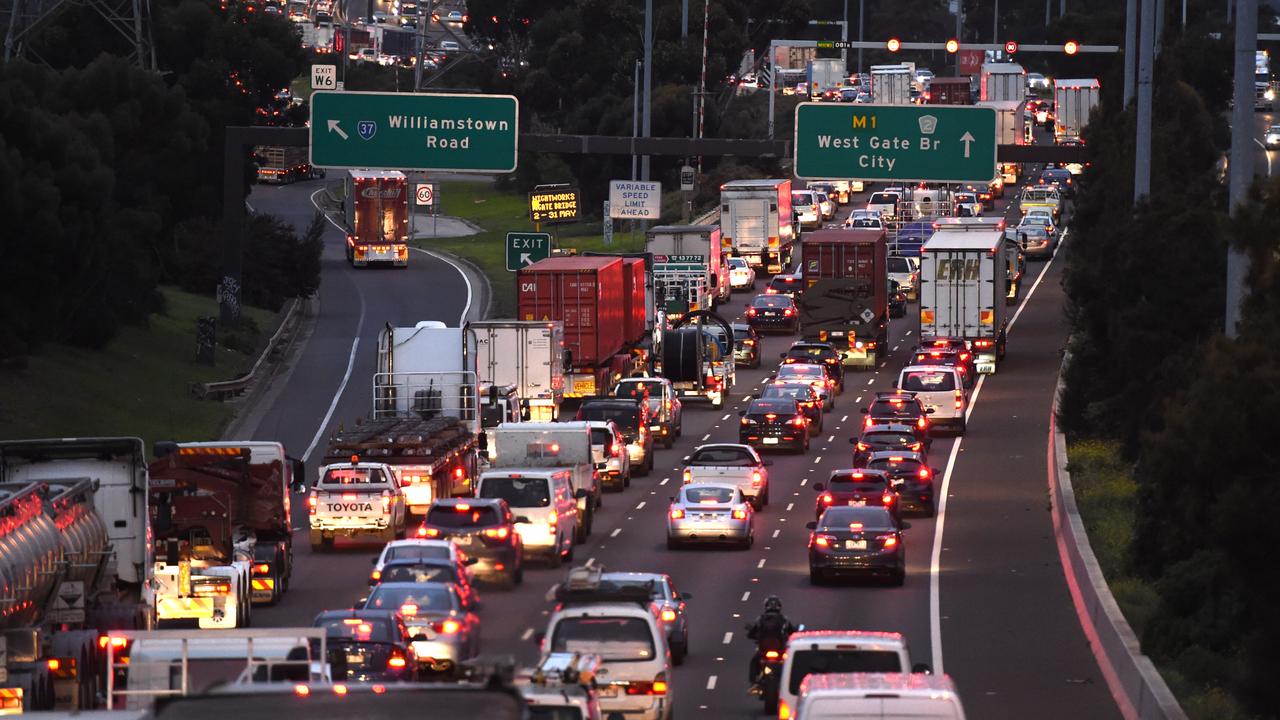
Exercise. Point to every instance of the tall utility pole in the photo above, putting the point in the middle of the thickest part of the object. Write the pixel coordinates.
(959, 29)
(995, 24)
(1130, 47)
(648, 82)
(844, 35)
(684, 19)
(702, 78)
(1241, 151)
(861, 3)
(1146, 63)
(635, 115)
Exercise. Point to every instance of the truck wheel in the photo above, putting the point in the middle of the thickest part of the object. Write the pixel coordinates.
(668, 440)
(626, 479)
(580, 535)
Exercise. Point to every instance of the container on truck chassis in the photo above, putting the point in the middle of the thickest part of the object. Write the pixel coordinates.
(1003, 82)
(603, 302)
(74, 564)
(963, 284)
(1073, 100)
(282, 164)
(525, 356)
(689, 270)
(891, 84)
(376, 209)
(845, 300)
(756, 222)
(221, 528)
(949, 91)
(1010, 130)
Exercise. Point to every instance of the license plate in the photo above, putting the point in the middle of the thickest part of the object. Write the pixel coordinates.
(858, 503)
(607, 691)
(855, 544)
(987, 368)
(462, 540)
(770, 441)
(355, 659)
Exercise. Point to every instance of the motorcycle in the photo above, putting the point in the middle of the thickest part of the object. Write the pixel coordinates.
(767, 682)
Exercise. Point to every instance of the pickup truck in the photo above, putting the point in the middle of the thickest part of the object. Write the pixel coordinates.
(665, 410)
(1041, 197)
(730, 463)
(356, 500)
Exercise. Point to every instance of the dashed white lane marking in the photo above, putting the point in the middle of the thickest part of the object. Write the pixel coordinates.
(790, 505)
(804, 480)
(711, 683)
(760, 564)
(664, 481)
(817, 460)
(907, 333)
(776, 533)
(706, 437)
(870, 380)
(591, 561)
(728, 638)
(640, 506)
(746, 595)
(846, 417)
(895, 348)
(831, 438)
(528, 633)
(615, 532)
(726, 416)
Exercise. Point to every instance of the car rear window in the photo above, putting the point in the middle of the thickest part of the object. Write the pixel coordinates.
(601, 436)
(803, 198)
(614, 639)
(823, 662)
(622, 416)
(761, 407)
(636, 390)
(771, 301)
(891, 465)
(889, 439)
(518, 492)
(928, 381)
(358, 629)
(408, 552)
(462, 516)
(423, 598)
(899, 265)
(709, 495)
(849, 482)
(722, 456)
(888, 408)
(883, 199)
(353, 476)
(805, 372)
(815, 352)
(413, 573)
(795, 392)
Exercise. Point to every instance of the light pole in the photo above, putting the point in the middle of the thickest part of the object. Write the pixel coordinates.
(861, 3)
(648, 81)
(1241, 165)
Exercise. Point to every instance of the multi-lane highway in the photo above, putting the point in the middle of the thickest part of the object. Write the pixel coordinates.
(985, 598)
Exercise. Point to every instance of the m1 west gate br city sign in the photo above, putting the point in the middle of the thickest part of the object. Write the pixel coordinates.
(414, 131)
(941, 143)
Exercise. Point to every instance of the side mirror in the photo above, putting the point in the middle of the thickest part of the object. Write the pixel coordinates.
(684, 459)
(360, 603)
(742, 413)
(470, 561)
(686, 596)
(372, 582)
(539, 636)
(864, 411)
(300, 487)
(373, 561)
(853, 441)
(420, 637)
(929, 411)
(819, 487)
(923, 668)
(522, 519)
(894, 384)
(298, 471)
(906, 525)
(671, 498)
(811, 525)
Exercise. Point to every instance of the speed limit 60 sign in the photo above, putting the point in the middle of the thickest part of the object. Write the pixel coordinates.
(425, 195)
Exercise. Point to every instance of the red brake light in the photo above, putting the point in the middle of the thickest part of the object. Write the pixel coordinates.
(863, 446)
(886, 499)
(751, 312)
(771, 655)
(428, 532)
(920, 423)
(826, 498)
(798, 421)
(789, 312)
(739, 514)
(668, 615)
(822, 540)
(461, 507)
(924, 473)
(261, 569)
(890, 541)
(311, 504)
(755, 478)
(396, 661)
(500, 533)
(868, 422)
(447, 627)
(677, 513)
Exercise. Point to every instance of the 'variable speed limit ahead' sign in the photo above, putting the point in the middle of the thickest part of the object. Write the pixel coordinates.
(942, 143)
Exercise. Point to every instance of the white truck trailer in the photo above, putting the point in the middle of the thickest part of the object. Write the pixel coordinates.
(1002, 82)
(891, 84)
(1073, 100)
(756, 222)
(963, 285)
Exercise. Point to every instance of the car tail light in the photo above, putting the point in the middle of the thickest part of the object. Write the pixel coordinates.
(798, 421)
(868, 422)
(500, 533)
(924, 473)
(261, 569)
(428, 532)
(823, 540)
(755, 479)
(915, 446)
(375, 576)
(739, 514)
(461, 507)
(784, 710)
(959, 400)
(889, 540)
(826, 498)
(886, 499)
(668, 615)
(386, 501)
(447, 627)
(772, 654)
(312, 502)
(120, 644)
(863, 446)
(921, 423)
(751, 312)
(789, 312)
(553, 521)
(677, 513)
(396, 661)
(744, 421)
(983, 344)
(687, 475)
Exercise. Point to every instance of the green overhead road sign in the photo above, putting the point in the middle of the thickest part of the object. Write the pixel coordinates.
(943, 143)
(414, 131)
(526, 248)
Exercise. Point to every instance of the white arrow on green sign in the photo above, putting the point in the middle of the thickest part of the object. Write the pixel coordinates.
(526, 248)
(942, 143)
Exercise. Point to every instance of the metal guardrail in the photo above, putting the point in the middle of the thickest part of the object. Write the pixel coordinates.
(710, 217)
(223, 389)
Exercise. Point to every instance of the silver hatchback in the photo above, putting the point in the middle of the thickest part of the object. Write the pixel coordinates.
(710, 512)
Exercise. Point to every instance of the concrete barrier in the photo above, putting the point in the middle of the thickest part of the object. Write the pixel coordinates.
(1136, 685)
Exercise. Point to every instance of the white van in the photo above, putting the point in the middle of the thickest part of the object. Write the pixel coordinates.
(876, 696)
(609, 453)
(543, 502)
(807, 208)
(839, 651)
(885, 203)
(621, 625)
(940, 389)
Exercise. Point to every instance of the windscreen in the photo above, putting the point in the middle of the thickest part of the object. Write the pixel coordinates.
(897, 466)
(928, 381)
(615, 639)
(423, 598)
(805, 373)
(847, 482)
(462, 516)
(518, 492)
(795, 392)
(622, 416)
(410, 573)
(889, 439)
(601, 436)
(771, 302)
(722, 456)
(823, 662)
(778, 407)
(883, 199)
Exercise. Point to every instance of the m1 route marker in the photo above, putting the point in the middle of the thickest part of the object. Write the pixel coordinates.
(414, 131)
(942, 143)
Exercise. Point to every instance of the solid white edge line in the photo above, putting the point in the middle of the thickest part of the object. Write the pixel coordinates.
(935, 560)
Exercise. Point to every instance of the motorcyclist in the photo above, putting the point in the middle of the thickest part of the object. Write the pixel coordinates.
(770, 631)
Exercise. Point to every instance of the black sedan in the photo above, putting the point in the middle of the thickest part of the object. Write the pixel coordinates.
(773, 312)
(911, 477)
(884, 437)
(819, 353)
(857, 488)
(774, 424)
(367, 646)
(856, 540)
(803, 393)
(746, 346)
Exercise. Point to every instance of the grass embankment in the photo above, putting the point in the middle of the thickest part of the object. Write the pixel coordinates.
(500, 213)
(136, 386)
(1107, 496)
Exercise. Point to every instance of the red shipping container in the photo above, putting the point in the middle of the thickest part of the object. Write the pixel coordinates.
(586, 294)
(635, 315)
(859, 253)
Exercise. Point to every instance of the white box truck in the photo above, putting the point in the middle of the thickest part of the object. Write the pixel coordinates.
(526, 356)
(826, 74)
(1010, 130)
(1073, 100)
(963, 285)
(756, 222)
(1002, 81)
(891, 84)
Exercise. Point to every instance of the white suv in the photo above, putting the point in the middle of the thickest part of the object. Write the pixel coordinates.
(940, 389)
(839, 651)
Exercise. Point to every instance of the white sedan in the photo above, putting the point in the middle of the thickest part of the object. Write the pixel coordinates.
(741, 274)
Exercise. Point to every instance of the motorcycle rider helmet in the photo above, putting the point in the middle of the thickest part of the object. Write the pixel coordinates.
(773, 604)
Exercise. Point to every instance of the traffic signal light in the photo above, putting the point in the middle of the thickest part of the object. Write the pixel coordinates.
(1071, 47)
(894, 45)
(953, 45)
(1010, 47)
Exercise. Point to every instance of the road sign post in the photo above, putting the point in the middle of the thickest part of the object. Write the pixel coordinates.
(526, 248)
(414, 131)
(942, 143)
(608, 225)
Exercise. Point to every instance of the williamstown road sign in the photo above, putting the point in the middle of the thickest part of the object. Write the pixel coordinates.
(526, 248)
(943, 143)
(414, 131)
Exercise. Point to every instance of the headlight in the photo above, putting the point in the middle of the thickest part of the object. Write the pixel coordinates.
(1270, 94)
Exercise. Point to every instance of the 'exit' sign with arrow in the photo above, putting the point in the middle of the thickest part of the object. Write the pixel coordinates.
(527, 248)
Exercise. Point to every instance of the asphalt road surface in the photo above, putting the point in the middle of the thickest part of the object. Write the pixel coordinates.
(985, 598)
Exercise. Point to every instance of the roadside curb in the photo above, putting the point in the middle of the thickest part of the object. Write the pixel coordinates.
(254, 404)
(1137, 686)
